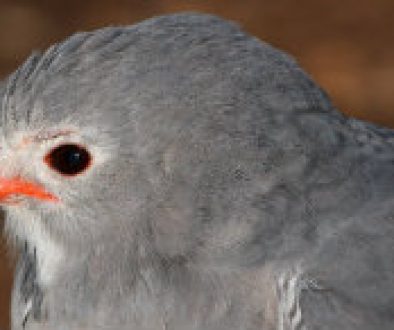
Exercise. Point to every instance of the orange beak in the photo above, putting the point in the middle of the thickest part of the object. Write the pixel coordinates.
(17, 186)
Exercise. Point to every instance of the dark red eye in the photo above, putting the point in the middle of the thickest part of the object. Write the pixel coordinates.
(69, 159)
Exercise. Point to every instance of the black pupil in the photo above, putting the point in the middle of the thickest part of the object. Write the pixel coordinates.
(69, 159)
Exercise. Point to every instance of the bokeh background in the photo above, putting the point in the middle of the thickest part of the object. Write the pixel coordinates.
(347, 46)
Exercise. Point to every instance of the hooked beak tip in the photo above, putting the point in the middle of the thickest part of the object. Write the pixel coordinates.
(18, 186)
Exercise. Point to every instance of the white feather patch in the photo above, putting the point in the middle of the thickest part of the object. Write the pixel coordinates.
(289, 289)
(49, 253)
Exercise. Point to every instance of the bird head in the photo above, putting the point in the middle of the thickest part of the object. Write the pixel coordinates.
(63, 174)
(163, 134)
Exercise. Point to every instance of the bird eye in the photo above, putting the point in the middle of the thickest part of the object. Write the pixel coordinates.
(68, 159)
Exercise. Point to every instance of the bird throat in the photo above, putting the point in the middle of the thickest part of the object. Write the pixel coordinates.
(48, 253)
(30, 291)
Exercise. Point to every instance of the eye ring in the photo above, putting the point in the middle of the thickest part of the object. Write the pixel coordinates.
(69, 159)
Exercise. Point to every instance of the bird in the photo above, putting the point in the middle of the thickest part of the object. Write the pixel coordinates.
(181, 174)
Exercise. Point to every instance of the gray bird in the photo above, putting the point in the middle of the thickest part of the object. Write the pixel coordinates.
(180, 174)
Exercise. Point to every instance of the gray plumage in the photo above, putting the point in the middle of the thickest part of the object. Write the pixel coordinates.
(225, 191)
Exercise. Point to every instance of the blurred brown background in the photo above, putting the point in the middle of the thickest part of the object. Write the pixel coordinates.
(347, 46)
